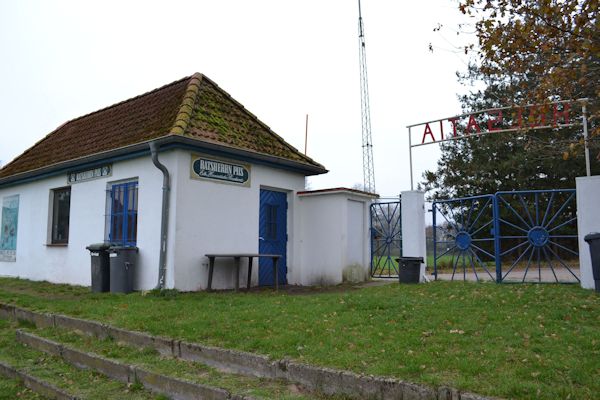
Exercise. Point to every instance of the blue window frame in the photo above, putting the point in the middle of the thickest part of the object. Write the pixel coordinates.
(123, 214)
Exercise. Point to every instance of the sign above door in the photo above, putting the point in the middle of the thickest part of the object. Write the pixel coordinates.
(220, 170)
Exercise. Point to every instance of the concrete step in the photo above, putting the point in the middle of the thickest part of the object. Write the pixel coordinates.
(48, 377)
(319, 380)
(171, 377)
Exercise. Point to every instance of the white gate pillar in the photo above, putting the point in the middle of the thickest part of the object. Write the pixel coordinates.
(413, 226)
(588, 221)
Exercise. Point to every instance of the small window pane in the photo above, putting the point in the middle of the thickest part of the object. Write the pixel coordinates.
(60, 215)
(271, 222)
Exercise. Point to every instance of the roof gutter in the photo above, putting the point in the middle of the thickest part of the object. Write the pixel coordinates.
(164, 219)
(141, 149)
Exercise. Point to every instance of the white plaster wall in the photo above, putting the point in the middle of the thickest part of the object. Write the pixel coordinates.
(323, 239)
(588, 221)
(71, 264)
(355, 230)
(334, 235)
(413, 227)
(214, 217)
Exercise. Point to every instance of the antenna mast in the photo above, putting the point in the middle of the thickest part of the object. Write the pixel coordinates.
(367, 143)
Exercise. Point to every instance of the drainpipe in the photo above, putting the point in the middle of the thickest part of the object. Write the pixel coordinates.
(164, 219)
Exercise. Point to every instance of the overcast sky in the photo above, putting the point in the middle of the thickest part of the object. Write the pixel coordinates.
(282, 59)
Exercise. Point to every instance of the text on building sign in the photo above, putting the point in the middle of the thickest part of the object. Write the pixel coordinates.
(220, 170)
(75, 177)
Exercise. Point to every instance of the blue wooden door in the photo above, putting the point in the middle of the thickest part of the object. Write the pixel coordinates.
(272, 234)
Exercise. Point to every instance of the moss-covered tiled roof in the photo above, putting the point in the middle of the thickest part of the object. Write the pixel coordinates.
(193, 107)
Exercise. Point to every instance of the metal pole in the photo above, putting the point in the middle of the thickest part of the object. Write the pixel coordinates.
(496, 228)
(410, 159)
(586, 140)
(434, 238)
(306, 134)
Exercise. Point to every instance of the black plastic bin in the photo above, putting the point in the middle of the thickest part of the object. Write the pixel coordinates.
(409, 269)
(593, 240)
(122, 268)
(100, 267)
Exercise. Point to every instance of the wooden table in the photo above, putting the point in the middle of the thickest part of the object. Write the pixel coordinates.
(237, 258)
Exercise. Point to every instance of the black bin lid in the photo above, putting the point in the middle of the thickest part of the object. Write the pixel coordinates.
(592, 236)
(119, 248)
(98, 247)
(419, 259)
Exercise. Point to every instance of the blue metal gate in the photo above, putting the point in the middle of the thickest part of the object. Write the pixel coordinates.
(537, 235)
(467, 239)
(386, 239)
(524, 236)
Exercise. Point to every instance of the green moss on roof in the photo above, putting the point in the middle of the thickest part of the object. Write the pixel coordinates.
(193, 106)
(217, 117)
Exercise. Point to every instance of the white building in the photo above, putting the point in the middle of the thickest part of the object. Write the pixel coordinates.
(232, 187)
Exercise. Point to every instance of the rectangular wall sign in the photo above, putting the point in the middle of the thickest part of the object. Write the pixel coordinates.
(8, 226)
(89, 174)
(220, 170)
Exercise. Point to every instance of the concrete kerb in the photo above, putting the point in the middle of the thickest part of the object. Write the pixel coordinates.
(165, 346)
(82, 325)
(331, 381)
(42, 344)
(177, 389)
(7, 311)
(326, 380)
(113, 369)
(37, 385)
(229, 360)
(40, 320)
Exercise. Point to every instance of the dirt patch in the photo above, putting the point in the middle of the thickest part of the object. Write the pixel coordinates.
(308, 290)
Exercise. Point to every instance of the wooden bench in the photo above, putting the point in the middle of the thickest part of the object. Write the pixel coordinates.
(237, 258)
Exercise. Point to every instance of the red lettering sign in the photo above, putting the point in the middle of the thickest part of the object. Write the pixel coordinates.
(427, 132)
(493, 123)
(472, 124)
(453, 121)
(519, 119)
(537, 116)
(492, 120)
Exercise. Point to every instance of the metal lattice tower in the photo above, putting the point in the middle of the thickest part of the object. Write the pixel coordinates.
(367, 141)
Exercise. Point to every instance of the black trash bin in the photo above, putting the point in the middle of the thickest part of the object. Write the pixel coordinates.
(122, 267)
(100, 267)
(593, 240)
(409, 269)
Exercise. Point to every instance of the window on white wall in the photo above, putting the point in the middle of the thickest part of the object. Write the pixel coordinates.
(123, 210)
(61, 210)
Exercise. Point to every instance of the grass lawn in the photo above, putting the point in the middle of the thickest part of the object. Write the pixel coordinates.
(515, 341)
(11, 389)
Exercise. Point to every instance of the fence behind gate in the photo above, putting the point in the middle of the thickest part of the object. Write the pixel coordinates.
(518, 236)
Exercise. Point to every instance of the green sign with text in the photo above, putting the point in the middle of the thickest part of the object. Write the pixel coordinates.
(220, 170)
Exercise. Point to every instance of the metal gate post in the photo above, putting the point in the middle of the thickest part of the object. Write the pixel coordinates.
(433, 210)
(498, 256)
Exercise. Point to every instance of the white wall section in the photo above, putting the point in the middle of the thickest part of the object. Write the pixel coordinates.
(588, 221)
(334, 236)
(413, 227)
